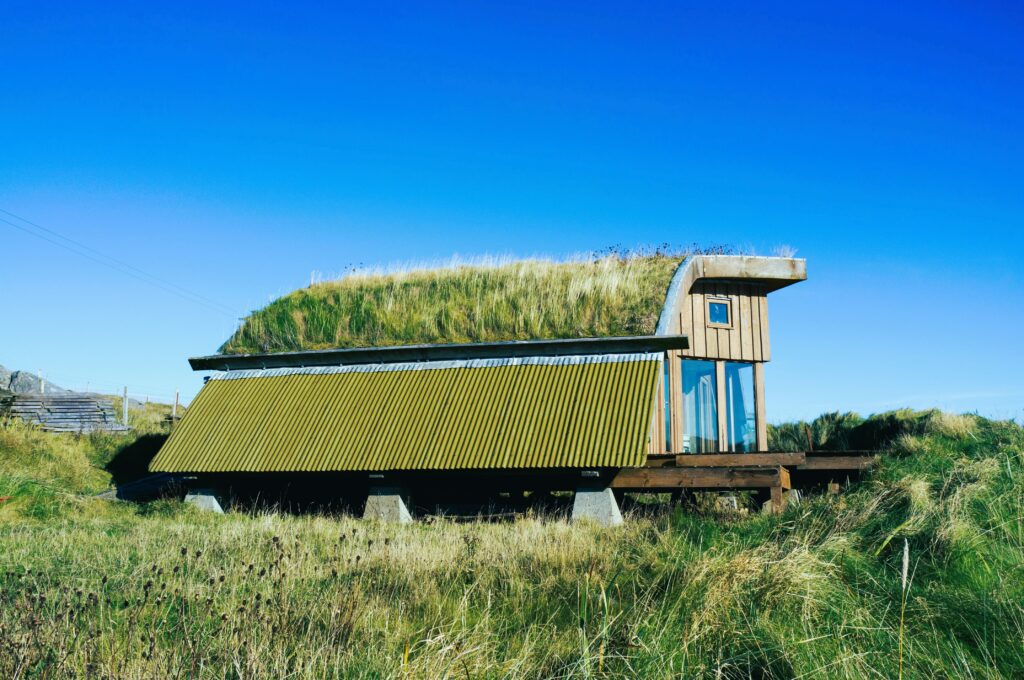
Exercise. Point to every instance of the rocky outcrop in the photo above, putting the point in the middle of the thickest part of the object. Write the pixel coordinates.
(23, 382)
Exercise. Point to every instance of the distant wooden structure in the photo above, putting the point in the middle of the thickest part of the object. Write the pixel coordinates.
(78, 413)
(684, 408)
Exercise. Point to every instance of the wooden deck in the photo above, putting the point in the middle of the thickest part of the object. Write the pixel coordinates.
(775, 473)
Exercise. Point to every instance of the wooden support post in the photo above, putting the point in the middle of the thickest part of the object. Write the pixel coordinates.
(658, 424)
(784, 480)
(723, 411)
(675, 400)
(780, 493)
(760, 415)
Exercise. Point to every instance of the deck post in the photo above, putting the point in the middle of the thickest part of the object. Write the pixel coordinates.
(596, 504)
(204, 499)
(388, 504)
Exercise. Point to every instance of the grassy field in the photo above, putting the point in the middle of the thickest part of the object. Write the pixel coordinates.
(487, 301)
(91, 588)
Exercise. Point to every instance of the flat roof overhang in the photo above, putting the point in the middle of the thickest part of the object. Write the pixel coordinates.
(773, 272)
(406, 353)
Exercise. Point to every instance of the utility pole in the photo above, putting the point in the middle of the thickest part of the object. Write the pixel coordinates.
(174, 409)
(124, 408)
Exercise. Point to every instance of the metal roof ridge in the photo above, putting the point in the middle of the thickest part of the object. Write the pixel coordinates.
(441, 364)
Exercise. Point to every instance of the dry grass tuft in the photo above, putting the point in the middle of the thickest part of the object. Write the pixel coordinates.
(956, 426)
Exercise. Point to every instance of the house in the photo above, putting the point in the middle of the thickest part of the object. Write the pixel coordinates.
(610, 386)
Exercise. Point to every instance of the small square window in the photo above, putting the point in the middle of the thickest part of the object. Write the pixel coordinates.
(719, 313)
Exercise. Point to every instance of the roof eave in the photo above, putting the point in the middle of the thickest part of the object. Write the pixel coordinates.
(406, 353)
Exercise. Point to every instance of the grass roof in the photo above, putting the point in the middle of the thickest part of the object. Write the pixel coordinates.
(531, 299)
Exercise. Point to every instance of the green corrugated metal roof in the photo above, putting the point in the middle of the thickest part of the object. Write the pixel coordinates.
(516, 413)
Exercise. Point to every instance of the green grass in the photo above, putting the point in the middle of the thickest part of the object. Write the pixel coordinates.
(515, 300)
(50, 475)
(160, 590)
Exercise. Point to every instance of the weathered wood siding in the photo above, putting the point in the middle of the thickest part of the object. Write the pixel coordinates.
(747, 340)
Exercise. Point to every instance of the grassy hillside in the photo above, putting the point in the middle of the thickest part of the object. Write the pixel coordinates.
(159, 590)
(519, 300)
(48, 475)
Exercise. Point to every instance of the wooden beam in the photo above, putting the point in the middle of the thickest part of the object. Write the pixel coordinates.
(700, 478)
(739, 460)
(825, 463)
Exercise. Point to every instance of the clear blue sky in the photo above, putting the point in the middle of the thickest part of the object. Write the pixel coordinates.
(235, 149)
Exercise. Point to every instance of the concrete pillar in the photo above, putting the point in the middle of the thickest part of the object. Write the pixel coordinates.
(387, 504)
(728, 503)
(596, 504)
(204, 499)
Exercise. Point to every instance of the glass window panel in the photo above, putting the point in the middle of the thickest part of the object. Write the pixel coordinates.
(718, 312)
(739, 396)
(700, 410)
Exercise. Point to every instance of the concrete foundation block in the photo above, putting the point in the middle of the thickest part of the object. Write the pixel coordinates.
(597, 505)
(204, 499)
(387, 504)
(728, 503)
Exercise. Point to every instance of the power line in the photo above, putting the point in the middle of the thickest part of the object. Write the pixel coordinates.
(99, 257)
(114, 263)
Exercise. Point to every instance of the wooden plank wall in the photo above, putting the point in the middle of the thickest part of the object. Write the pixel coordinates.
(747, 340)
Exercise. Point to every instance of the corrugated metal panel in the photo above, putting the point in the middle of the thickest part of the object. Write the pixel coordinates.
(515, 413)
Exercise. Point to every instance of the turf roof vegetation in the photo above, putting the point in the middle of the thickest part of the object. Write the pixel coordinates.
(613, 295)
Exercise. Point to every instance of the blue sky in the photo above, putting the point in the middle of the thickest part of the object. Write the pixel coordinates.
(233, 149)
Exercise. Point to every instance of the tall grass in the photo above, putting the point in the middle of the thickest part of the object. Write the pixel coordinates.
(486, 301)
(850, 431)
(47, 475)
(160, 590)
